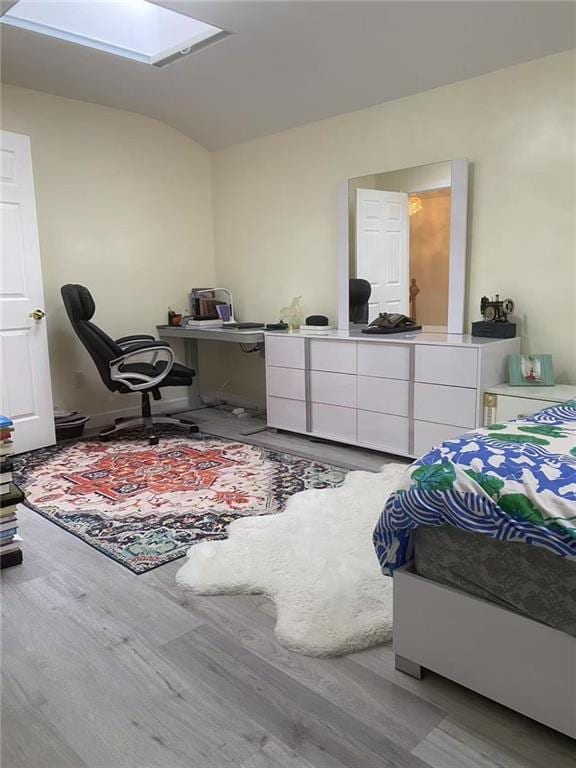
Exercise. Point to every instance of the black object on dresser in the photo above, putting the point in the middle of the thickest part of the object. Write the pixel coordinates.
(495, 324)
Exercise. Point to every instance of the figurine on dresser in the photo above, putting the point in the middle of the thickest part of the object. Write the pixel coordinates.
(495, 324)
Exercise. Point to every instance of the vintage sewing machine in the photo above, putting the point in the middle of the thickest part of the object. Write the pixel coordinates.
(495, 324)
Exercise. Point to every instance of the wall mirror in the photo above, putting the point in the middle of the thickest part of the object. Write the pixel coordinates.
(403, 246)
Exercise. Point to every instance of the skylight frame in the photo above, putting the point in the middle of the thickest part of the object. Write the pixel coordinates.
(187, 46)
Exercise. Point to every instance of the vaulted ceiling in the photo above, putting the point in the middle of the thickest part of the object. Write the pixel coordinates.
(289, 63)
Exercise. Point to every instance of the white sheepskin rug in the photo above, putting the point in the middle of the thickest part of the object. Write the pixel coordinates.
(315, 560)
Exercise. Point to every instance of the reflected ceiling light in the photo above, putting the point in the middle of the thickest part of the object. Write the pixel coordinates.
(414, 204)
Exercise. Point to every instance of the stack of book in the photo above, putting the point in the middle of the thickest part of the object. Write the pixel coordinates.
(10, 497)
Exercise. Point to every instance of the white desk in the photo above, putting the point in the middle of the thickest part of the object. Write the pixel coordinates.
(191, 337)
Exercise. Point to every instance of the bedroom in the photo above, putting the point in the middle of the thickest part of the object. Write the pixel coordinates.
(227, 168)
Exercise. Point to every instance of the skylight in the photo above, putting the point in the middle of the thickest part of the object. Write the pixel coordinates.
(134, 29)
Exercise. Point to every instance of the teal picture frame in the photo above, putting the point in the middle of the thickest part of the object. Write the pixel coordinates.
(531, 370)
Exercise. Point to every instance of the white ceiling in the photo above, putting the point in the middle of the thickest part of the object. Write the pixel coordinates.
(289, 63)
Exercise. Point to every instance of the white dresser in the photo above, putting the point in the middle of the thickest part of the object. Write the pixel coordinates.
(400, 395)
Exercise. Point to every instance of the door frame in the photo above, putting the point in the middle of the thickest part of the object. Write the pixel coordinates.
(459, 178)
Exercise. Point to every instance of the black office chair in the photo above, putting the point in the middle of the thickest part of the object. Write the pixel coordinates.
(138, 363)
(359, 291)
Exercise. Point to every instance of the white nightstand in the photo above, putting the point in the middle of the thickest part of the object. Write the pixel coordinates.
(504, 402)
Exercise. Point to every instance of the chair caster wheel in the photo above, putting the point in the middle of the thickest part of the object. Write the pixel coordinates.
(194, 428)
(104, 438)
(153, 440)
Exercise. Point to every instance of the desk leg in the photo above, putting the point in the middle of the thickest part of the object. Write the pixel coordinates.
(194, 399)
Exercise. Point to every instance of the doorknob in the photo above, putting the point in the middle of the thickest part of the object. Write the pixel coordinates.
(37, 314)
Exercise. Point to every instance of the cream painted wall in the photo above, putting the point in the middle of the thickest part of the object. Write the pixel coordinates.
(275, 199)
(124, 207)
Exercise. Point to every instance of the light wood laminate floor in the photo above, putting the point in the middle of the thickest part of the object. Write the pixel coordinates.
(106, 669)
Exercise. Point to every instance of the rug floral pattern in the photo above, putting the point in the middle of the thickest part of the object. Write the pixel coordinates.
(145, 505)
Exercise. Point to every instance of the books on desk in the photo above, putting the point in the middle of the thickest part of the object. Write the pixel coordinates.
(10, 497)
(195, 322)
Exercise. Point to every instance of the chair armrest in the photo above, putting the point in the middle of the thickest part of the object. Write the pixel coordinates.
(127, 341)
(136, 381)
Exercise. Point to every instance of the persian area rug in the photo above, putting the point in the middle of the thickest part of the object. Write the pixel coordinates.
(145, 505)
(316, 561)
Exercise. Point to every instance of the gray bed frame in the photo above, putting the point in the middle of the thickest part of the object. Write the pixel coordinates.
(509, 658)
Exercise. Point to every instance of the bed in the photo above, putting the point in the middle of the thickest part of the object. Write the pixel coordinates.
(480, 537)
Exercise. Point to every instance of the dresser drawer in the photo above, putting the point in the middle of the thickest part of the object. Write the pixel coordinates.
(445, 405)
(286, 382)
(333, 388)
(508, 408)
(428, 435)
(333, 421)
(390, 361)
(454, 366)
(286, 414)
(285, 351)
(336, 356)
(383, 431)
(384, 395)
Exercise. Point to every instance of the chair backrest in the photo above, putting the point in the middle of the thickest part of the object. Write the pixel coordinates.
(359, 294)
(80, 308)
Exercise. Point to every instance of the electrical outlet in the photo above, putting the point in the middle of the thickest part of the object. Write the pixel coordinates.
(79, 379)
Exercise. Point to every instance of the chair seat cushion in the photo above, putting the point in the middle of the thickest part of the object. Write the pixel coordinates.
(179, 376)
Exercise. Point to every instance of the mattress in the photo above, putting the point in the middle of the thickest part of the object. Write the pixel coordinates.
(529, 580)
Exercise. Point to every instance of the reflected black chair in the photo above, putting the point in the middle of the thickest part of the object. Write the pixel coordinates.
(138, 363)
(359, 291)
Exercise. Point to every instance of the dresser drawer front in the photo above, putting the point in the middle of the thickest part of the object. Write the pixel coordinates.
(285, 352)
(333, 421)
(336, 356)
(384, 432)
(428, 435)
(384, 395)
(286, 414)
(286, 382)
(508, 408)
(390, 361)
(445, 405)
(333, 388)
(454, 366)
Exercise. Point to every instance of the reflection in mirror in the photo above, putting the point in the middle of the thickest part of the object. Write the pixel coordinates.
(399, 245)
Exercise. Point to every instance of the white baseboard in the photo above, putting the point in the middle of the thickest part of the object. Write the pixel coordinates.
(104, 418)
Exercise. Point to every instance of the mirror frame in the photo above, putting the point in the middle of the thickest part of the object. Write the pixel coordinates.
(459, 173)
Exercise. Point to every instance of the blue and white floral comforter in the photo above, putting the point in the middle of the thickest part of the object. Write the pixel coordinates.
(513, 482)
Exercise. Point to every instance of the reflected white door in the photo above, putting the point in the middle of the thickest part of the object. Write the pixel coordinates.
(383, 249)
(26, 390)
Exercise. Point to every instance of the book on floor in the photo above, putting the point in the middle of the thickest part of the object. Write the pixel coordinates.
(13, 497)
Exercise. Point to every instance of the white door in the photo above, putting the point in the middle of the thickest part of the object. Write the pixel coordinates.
(383, 249)
(26, 389)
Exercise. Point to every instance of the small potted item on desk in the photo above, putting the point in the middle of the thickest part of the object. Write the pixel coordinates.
(174, 318)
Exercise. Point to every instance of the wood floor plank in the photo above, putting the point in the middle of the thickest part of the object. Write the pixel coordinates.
(301, 718)
(450, 746)
(85, 672)
(274, 754)
(400, 715)
(29, 739)
(99, 577)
